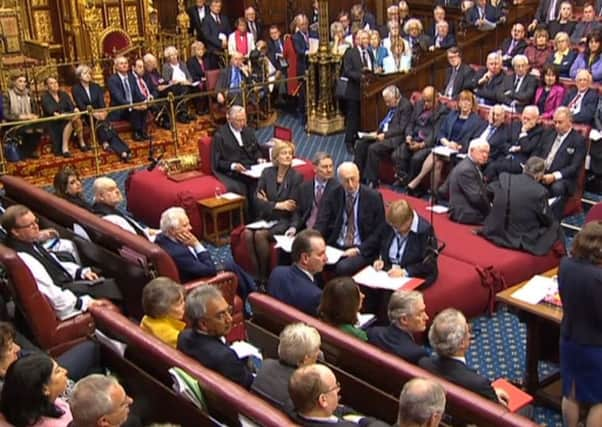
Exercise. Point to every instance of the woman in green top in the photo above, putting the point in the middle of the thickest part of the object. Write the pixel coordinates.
(341, 301)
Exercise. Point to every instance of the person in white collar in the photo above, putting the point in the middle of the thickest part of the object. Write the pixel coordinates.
(407, 244)
(450, 337)
(314, 390)
(563, 149)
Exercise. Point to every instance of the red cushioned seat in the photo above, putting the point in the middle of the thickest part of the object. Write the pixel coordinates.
(151, 193)
(498, 267)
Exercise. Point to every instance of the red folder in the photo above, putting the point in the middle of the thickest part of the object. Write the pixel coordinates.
(518, 398)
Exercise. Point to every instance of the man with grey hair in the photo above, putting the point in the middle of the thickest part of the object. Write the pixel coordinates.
(124, 90)
(191, 257)
(99, 400)
(520, 217)
(488, 82)
(450, 337)
(299, 346)
(496, 132)
(235, 149)
(468, 198)
(582, 99)
(407, 314)
(519, 88)
(421, 403)
(107, 197)
(211, 320)
(351, 219)
(390, 135)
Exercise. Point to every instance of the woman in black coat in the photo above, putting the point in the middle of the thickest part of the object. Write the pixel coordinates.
(580, 286)
(276, 200)
(56, 102)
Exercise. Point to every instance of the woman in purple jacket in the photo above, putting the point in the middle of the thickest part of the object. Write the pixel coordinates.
(550, 94)
(590, 59)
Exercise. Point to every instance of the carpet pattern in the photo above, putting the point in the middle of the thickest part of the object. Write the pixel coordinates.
(498, 348)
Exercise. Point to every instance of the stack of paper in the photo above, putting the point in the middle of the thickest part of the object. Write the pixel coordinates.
(255, 171)
(380, 279)
(442, 150)
(285, 243)
(438, 209)
(244, 349)
(262, 224)
(536, 289)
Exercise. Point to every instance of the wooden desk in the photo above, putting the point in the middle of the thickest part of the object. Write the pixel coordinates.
(212, 208)
(541, 319)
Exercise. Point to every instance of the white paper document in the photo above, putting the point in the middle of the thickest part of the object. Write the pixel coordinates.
(364, 319)
(244, 349)
(255, 171)
(438, 209)
(230, 196)
(286, 243)
(367, 135)
(379, 279)
(536, 289)
(442, 150)
(260, 225)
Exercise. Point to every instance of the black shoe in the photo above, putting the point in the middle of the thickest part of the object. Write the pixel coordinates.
(401, 180)
(183, 118)
(137, 136)
(415, 192)
(126, 157)
(84, 148)
(33, 155)
(145, 135)
(165, 124)
(66, 154)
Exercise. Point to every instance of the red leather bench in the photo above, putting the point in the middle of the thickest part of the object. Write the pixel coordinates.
(50, 333)
(128, 257)
(498, 267)
(382, 370)
(225, 399)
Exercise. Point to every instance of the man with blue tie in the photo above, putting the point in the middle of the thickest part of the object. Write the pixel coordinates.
(124, 91)
(351, 219)
(231, 80)
(389, 135)
(276, 50)
(295, 284)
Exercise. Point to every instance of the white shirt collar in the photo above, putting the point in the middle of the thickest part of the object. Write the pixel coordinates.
(307, 273)
(459, 358)
(414, 225)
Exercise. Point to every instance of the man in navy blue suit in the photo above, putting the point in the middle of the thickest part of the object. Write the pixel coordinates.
(211, 321)
(407, 314)
(191, 257)
(296, 285)
(582, 100)
(124, 91)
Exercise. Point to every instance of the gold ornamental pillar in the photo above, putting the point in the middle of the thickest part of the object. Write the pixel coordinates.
(323, 115)
(151, 26)
(93, 23)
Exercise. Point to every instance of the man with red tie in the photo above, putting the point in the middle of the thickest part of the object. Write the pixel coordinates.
(581, 100)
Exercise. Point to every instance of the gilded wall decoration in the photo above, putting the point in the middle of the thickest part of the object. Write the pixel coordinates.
(42, 23)
(39, 3)
(114, 16)
(131, 16)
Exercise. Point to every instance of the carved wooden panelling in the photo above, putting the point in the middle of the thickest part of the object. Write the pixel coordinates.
(131, 16)
(43, 26)
(113, 16)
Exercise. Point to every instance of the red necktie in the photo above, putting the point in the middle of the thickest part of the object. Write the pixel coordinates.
(143, 87)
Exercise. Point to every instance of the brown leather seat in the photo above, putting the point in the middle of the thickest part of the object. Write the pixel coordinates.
(225, 399)
(382, 370)
(143, 260)
(50, 333)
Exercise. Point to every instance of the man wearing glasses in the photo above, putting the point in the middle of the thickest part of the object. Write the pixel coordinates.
(70, 287)
(211, 320)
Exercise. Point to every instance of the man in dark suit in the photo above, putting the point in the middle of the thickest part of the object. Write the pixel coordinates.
(483, 14)
(421, 134)
(350, 220)
(443, 38)
(525, 136)
(234, 150)
(313, 193)
(215, 29)
(418, 41)
(301, 47)
(231, 80)
(489, 82)
(124, 91)
(520, 217)
(450, 337)
(459, 76)
(276, 50)
(253, 25)
(585, 25)
(564, 152)
(547, 10)
(496, 132)
(468, 198)
(421, 403)
(407, 314)
(356, 61)
(518, 90)
(296, 285)
(513, 45)
(197, 14)
(389, 135)
(582, 100)
(322, 410)
(211, 320)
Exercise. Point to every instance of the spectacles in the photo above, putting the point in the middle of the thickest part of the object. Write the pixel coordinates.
(31, 224)
(336, 388)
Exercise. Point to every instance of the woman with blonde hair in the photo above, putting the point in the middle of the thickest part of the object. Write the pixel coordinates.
(275, 200)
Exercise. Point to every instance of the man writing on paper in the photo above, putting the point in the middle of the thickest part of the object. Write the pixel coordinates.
(296, 285)
(407, 244)
(351, 219)
(235, 149)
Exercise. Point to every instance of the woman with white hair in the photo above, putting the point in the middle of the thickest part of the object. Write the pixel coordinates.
(299, 346)
(176, 73)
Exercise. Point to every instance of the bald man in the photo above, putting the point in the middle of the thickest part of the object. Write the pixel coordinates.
(351, 219)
